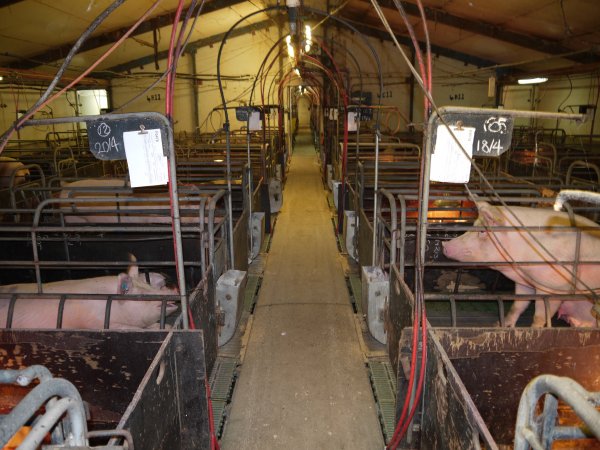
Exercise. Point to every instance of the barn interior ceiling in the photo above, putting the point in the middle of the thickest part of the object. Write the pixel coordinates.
(515, 36)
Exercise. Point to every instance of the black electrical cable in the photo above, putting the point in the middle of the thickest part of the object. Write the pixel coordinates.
(367, 43)
(246, 17)
(97, 21)
(226, 123)
(165, 73)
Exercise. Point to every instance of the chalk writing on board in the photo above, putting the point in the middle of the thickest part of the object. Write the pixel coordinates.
(106, 146)
(491, 146)
(496, 125)
(103, 130)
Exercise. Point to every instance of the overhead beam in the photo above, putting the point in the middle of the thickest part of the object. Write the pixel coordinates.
(372, 31)
(493, 31)
(192, 46)
(4, 3)
(109, 37)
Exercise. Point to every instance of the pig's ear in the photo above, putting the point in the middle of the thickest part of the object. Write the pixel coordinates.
(125, 284)
(133, 268)
(490, 215)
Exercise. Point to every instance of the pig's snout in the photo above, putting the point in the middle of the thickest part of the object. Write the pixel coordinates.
(446, 248)
(453, 249)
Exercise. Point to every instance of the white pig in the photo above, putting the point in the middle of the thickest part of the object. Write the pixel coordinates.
(8, 166)
(82, 313)
(517, 246)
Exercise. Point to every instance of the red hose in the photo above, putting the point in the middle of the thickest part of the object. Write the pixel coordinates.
(401, 429)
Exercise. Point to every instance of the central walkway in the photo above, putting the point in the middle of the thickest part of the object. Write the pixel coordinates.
(303, 382)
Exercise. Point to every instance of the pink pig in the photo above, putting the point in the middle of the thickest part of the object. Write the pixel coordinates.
(81, 313)
(517, 246)
(10, 166)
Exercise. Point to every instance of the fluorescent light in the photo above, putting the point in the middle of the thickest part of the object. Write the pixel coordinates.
(290, 51)
(288, 39)
(307, 32)
(218, 160)
(536, 80)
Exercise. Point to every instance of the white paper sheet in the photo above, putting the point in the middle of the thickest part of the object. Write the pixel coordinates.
(448, 162)
(352, 121)
(145, 159)
(255, 124)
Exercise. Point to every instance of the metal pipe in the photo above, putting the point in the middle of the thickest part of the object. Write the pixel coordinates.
(211, 225)
(25, 376)
(38, 432)
(571, 194)
(393, 224)
(12, 422)
(584, 404)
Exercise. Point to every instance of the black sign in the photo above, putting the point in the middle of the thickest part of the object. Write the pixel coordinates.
(106, 135)
(493, 131)
(363, 98)
(242, 113)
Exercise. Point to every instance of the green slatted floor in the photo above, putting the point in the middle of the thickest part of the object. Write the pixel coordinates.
(356, 288)
(221, 385)
(223, 376)
(384, 388)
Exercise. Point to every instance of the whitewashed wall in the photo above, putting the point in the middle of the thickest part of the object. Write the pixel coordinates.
(557, 94)
(454, 84)
(15, 98)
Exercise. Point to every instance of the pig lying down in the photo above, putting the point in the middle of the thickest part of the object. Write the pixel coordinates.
(516, 246)
(82, 313)
(10, 168)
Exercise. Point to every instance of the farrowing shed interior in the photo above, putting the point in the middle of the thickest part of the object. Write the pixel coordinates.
(243, 224)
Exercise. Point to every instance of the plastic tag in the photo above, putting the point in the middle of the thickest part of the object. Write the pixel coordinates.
(145, 159)
(448, 162)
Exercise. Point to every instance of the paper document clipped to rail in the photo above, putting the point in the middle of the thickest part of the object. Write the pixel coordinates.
(352, 123)
(448, 162)
(254, 122)
(145, 159)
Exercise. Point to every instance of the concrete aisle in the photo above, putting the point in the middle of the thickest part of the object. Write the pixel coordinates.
(303, 382)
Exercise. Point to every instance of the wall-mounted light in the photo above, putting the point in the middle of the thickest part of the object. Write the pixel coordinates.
(536, 80)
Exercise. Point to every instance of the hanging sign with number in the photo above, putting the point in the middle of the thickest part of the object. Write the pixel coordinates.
(493, 132)
(105, 135)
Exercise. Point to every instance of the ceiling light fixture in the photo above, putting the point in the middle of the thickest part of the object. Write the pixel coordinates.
(536, 80)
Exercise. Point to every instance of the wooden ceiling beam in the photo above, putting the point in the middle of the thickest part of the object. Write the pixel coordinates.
(191, 47)
(373, 31)
(4, 3)
(492, 31)
(109, 37)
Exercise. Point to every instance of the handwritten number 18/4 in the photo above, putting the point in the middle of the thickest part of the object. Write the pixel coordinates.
(485, 146)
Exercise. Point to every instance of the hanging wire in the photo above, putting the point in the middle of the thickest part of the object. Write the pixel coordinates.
(42, 100)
